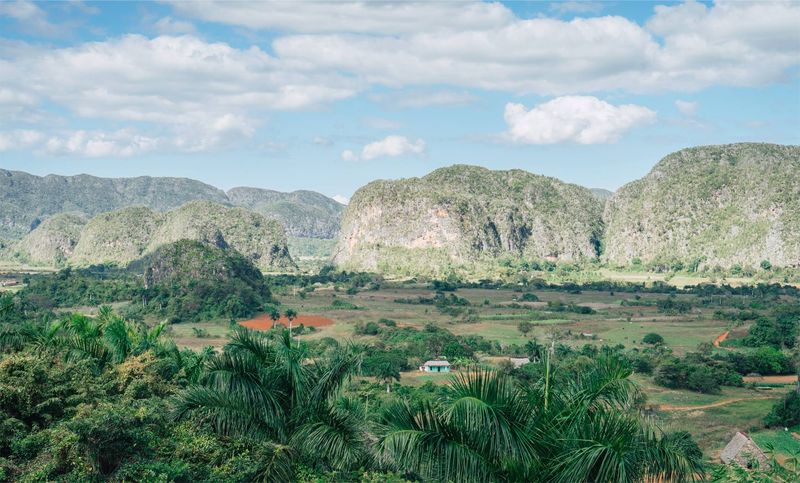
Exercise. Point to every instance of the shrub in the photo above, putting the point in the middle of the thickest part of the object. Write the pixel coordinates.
(370, 328)
(653, 339)
(786, 412)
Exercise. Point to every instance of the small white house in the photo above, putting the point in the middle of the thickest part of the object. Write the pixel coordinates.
(435, 366)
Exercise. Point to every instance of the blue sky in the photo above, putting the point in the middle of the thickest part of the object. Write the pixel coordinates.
(329, 96)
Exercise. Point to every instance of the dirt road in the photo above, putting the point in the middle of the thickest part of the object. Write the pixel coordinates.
(724, 402)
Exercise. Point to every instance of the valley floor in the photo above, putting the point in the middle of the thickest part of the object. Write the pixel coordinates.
(495, 314)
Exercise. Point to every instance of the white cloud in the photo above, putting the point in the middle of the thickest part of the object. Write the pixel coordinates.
(169, 26)
(687, 108)
(392, 146)
(206, 94)
(685, 47)
(349, 155)
(201, 94)
(130, 142)
(29, 15)
(19, 139)
(388, 147)
(580, 119)
(175, 80)
(97, 144)
(220, 131)
(360, 17)
(341, 199)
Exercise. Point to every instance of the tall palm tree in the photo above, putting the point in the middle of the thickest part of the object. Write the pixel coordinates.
(290, 314)
(491, 429)
(264, 388)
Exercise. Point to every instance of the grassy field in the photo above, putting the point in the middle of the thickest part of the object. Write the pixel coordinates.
(496, 314)
(713, 419)
(495, 318)
(786, 442)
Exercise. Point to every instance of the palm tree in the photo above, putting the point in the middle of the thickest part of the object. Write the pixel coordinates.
(106, 338)
(290, 314)
(274, 315)
(490, 429)
(265, 389)
(386, 373)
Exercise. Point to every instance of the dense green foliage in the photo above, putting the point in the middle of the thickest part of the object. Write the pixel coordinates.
(80, 287)
(188, 280)
(491, 428)
(786, 412)
(780, 330)
(111, 399)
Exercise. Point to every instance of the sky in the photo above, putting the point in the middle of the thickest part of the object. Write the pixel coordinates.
(330, 96)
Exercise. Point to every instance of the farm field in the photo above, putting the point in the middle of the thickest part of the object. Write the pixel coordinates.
(495, 315)
(714, 418)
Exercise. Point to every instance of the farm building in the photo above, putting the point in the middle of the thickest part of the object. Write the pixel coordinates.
(745, 452)
(435, 366)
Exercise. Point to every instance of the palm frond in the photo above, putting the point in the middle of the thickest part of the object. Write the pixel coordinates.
(424, 443)
(117, 338)
(229, 414)
(489, 408)
(336, 437)
(252, 342)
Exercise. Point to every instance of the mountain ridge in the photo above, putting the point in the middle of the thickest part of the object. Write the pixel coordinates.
(26, 200)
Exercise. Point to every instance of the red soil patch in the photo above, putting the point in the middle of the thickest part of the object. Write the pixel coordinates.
(719, 340)
(263, 322)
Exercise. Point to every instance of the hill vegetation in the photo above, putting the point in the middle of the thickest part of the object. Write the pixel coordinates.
(120, 237)
(732, 208)
(26, 200)
(734, 205)
(459, 218)
(305, 214)
(52, 242)
(188, 280)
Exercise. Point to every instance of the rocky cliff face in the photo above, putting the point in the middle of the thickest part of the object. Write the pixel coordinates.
(709, 206)
(123, 236)
(459, 216)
